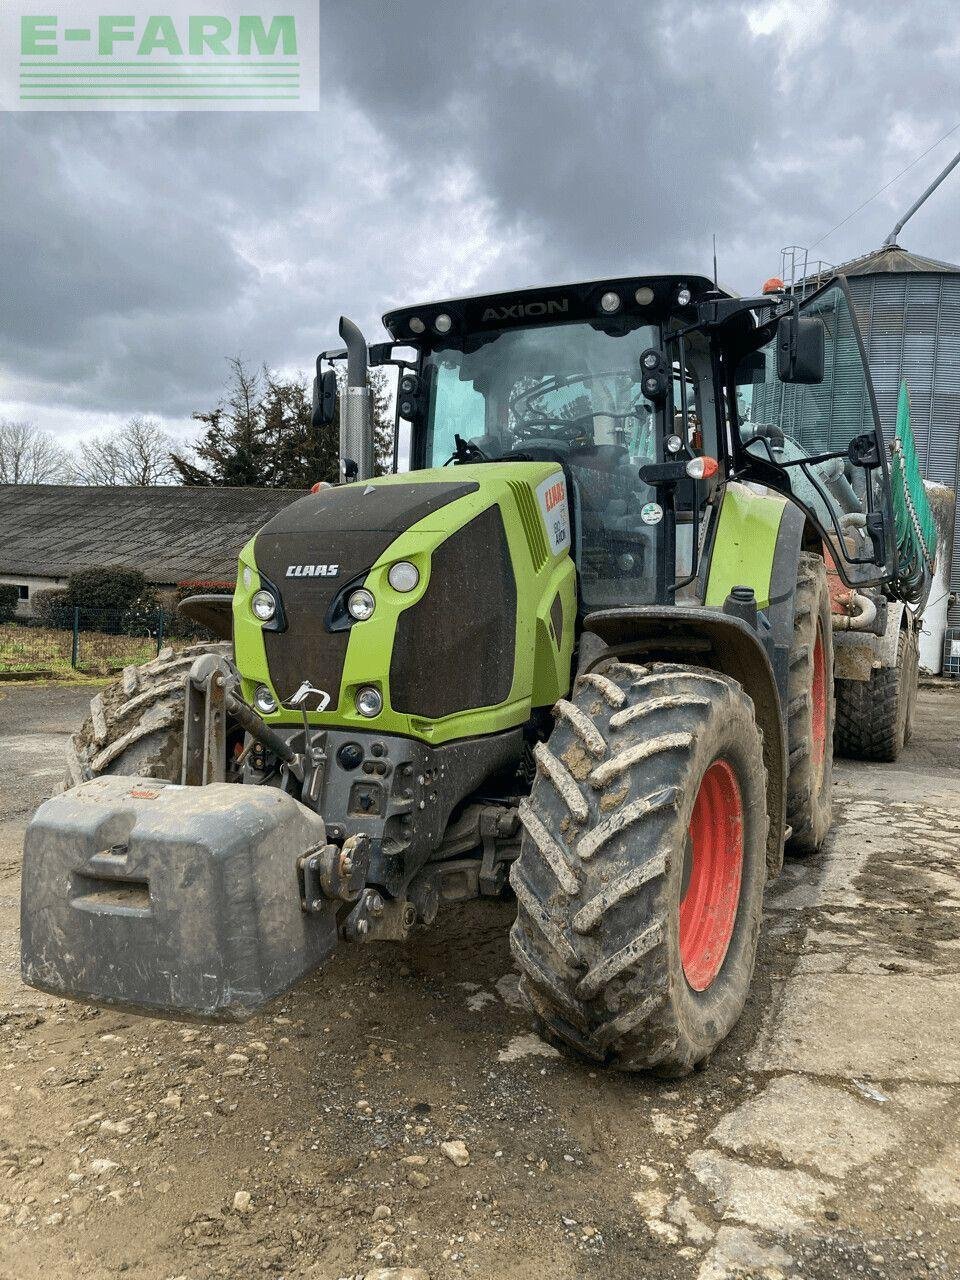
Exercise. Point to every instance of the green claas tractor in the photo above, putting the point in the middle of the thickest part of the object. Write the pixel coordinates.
(581, 649)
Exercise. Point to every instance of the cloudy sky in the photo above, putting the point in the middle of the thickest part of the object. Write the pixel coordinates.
(460, 147)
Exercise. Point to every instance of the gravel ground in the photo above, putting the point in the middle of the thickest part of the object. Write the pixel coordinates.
(396, 1117)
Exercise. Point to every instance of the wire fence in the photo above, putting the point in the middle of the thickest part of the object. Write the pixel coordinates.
(97, 642)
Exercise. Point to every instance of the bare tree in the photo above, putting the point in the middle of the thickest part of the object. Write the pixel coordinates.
(138, 453)
(30, 456)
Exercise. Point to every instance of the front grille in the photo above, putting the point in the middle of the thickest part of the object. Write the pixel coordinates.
(454, 649)
(347, 528)
(306, 650)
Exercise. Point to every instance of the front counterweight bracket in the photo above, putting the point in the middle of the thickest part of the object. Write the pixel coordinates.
(206, 689)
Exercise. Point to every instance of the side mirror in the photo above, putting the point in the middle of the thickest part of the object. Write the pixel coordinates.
(324, 398)
(800, 343)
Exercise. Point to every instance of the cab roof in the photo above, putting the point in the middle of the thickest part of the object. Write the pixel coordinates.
(640, 297)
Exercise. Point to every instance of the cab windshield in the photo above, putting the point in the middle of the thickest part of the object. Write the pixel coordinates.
(570, 393)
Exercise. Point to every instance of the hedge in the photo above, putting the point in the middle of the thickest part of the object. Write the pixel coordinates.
(9, 595)
(53, 607)
(106, 587)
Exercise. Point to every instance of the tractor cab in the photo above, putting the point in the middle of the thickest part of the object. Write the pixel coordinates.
(584, 376)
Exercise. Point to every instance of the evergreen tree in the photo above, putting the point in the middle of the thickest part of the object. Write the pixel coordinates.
(301, 454)
(232, 451)
(260, 434)
(383, 422)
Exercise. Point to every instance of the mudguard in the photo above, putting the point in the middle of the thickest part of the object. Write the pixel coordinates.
(170, 900)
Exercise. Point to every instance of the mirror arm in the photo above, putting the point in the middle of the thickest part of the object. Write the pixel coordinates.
(813, 458)
(332, 356)
(715, 314)
(718, 311)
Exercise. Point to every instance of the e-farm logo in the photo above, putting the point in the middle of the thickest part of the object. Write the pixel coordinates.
(139, 55)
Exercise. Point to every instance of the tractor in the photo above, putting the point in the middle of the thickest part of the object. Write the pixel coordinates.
(580, 650)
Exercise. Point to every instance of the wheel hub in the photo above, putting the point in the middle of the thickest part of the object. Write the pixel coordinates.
(713, 868)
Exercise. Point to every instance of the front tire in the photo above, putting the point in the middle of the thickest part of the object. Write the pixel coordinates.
(135, 726)
(641, 872)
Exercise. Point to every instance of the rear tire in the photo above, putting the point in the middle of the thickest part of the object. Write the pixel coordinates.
(135, 726)
(618, 830)
(810, 710)
(875, 716)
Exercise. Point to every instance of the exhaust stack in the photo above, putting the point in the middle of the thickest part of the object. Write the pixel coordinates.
(356, 427)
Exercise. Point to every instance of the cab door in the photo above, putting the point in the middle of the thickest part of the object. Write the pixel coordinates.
(820, 443)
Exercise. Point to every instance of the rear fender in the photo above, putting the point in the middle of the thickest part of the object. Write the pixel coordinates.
(704, 638)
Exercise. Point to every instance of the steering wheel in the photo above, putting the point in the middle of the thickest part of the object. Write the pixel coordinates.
(570, 430)
(573, 430)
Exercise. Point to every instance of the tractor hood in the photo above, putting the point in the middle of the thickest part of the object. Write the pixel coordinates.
(314, 551)
(462, 640)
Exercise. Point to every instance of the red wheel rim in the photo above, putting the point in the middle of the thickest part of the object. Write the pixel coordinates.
(818, 694)
(712, 872)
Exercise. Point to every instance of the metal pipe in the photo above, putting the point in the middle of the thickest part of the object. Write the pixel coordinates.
(892, 237)
(356, 352)
(356, 427)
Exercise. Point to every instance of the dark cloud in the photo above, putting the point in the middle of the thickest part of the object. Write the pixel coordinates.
(459, 147)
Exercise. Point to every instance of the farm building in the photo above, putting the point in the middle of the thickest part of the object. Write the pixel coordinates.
(170, 533)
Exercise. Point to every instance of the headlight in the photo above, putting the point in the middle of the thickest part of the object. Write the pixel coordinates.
(369, 701)
(264, 700)
(263, 605)
(610, 302)
(361, 604)
(403, 576)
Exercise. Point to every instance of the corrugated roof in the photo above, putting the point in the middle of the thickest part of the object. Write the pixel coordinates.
(890, 259)
(169, 532)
